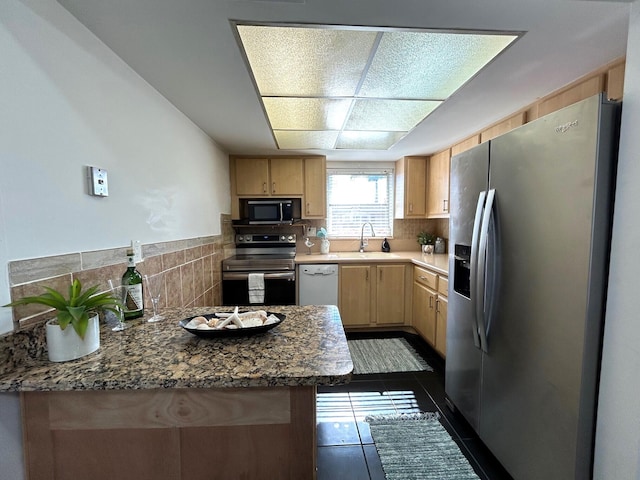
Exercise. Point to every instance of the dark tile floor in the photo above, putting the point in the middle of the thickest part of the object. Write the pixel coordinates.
(345, 447)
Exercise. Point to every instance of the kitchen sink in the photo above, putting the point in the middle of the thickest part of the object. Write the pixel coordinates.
(372, 255)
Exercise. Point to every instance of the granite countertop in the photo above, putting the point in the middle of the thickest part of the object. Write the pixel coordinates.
(436, 262)
(308, 348)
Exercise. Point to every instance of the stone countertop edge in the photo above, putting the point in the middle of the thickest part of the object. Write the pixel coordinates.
(438, 262)
(308, 347)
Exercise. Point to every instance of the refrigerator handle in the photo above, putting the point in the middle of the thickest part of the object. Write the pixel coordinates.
(474, 265)
(481, 295)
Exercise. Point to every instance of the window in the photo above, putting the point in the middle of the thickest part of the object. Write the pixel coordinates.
(356, 196)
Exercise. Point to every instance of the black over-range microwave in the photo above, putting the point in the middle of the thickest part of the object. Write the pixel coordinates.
(270, 211)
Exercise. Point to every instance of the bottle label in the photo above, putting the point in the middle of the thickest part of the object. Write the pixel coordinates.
(134, 302)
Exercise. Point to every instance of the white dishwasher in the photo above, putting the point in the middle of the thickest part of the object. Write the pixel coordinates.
(318, 284)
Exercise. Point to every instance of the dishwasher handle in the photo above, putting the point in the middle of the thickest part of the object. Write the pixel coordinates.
(319, 270)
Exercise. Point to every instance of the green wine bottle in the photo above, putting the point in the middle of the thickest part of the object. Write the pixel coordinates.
(132, 282)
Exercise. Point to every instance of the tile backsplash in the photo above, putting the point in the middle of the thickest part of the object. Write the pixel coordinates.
(405, 233)
(192, 273)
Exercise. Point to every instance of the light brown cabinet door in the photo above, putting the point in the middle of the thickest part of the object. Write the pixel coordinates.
(415, 187)
(390, 288)
(355, 294)
(315, 188)
(424, 312)
(252, 176)
(438, 185)
(441, 325)
(287, 176)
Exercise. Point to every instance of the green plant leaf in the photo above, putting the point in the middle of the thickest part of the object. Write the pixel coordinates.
(87, 295)
(64, 318)
(76, 309)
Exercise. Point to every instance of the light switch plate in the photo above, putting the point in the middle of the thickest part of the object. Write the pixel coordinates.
(98, 185)
(311, 231)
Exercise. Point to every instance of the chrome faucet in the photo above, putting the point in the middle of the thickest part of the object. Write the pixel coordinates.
(373, 233)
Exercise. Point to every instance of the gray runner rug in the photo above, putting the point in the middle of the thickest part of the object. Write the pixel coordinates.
(417, 447)
(385, 355)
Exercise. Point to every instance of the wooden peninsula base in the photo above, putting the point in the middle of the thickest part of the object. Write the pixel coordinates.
(217, 433)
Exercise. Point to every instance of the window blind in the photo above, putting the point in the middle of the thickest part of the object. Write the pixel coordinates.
(358, 196)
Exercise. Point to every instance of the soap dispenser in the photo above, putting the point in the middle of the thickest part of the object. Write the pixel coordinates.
(385, 246)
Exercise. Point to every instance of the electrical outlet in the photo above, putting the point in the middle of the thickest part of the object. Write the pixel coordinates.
(137, 250)
(311, 231)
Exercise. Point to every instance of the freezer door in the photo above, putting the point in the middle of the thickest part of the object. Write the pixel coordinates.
(469, 179)
(552, 180)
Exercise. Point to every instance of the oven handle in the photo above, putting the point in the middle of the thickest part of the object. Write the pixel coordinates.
(267, 276)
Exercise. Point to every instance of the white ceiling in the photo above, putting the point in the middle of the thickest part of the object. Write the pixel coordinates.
(187, 50)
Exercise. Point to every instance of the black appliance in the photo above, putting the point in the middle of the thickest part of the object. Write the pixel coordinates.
(270, 211)
(270, 255)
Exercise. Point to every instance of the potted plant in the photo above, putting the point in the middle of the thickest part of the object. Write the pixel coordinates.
(426, 240)
(80, 310)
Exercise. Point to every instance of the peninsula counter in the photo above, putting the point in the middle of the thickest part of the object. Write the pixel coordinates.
(156, 401)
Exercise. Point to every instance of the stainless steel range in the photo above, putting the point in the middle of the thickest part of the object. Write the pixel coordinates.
(261, 260)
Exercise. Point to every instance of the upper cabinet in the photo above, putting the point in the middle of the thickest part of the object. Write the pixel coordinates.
(315, 188)
(287, 176)
(438, 185)
(422, 186)
(290, 177)
(268, 177)
(411, 187)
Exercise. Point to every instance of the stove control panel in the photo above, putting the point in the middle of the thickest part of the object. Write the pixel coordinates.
(273, 239)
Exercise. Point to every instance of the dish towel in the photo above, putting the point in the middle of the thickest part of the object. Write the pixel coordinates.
(256, 288)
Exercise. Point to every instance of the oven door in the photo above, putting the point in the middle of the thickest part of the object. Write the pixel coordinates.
(279, 288)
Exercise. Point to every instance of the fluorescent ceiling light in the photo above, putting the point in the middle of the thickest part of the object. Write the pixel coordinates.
(358, 88)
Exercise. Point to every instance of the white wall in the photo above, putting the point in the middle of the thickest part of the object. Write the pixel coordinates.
(66, 101)
(618, 427)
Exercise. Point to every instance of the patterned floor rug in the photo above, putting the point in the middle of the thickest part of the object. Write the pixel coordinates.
(385, 355)
(431, 455)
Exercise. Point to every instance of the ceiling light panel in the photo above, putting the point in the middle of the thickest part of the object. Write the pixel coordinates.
(313, 62)
(358, 88)
(428, 65)
(303, 140)
(385, 115)
(368, 140)
(287, 113)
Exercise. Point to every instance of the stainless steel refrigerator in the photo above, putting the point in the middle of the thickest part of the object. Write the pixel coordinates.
(529, 233)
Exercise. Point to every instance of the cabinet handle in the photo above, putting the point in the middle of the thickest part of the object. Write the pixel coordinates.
(445, 205)
(437, 306)
(273, 187)
(264, 187)
(430, 301)
(308, 208)
(422, 277)
(410, 207)
(366, 277)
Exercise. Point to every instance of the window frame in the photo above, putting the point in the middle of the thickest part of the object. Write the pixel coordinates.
(362, 168)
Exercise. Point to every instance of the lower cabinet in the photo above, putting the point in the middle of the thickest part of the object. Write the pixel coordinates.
(373, 294)
(354, 297)
(424, 313)
(441, 325)
(429, 307)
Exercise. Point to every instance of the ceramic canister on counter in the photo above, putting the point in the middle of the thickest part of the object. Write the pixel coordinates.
(439, 248)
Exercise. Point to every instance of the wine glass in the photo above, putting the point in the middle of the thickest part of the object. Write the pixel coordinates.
(155, 286)
(119, 292)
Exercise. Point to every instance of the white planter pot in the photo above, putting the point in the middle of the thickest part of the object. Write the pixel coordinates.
(64, 345)
(324, 246)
